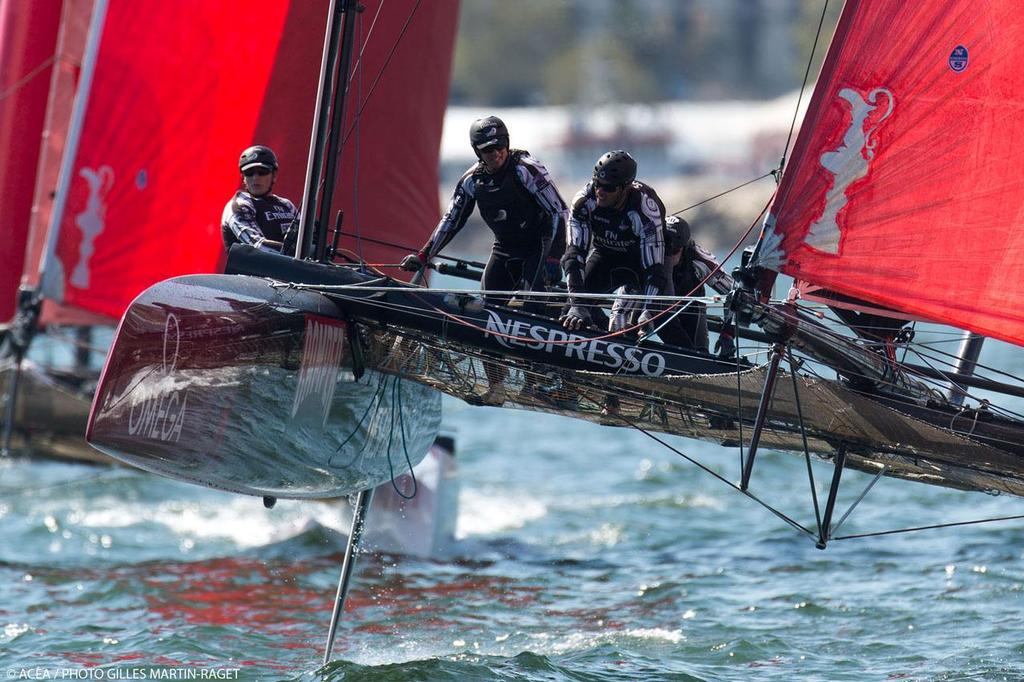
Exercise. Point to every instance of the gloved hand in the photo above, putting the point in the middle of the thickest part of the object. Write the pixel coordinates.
(414, 262)
(576, 318)
(725, 347)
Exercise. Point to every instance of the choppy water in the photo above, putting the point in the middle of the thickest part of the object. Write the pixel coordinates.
(584, 553)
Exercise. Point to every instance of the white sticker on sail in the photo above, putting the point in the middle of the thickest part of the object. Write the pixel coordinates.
(91, 221)
(322, 354)
(848, 163)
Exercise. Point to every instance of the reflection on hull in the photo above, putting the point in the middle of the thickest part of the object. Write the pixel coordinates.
(237, 384)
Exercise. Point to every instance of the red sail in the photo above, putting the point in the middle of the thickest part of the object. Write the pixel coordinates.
(28, 38)
(181, 88)
(905, 186)
(388, 174)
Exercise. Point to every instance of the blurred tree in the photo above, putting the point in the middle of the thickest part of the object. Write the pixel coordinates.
(503, 46)
(598, 72)
(529, 52)
(804, 30)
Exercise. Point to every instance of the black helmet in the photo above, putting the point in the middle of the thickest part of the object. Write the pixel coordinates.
(486, 132)
(677, 233)
(257, 155)
(615, 168)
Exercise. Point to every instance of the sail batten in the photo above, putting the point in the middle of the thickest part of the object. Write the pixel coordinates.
(904, 188)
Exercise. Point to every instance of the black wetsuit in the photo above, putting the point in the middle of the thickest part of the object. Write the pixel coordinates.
(616, 247)
(696, 268)
(252, 220)
(523, 209)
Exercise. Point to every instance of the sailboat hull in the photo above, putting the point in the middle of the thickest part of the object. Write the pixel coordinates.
(49, 416)
(243, 385)
(457, 347)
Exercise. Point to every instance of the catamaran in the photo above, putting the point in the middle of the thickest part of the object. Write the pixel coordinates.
(133, 171)
(904, 171)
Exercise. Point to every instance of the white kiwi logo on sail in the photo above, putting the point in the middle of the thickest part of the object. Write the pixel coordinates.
(158, 407)
(92, 220)
(849, 162)
(522, 334)
(322, 353)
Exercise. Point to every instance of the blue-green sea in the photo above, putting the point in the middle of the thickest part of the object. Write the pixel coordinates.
(584, 552)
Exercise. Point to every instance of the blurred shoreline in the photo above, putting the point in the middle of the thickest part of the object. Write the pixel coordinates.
(688, 151)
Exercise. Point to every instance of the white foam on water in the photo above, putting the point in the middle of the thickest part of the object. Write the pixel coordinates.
(582, 641)
(482, 513)
(242, 521)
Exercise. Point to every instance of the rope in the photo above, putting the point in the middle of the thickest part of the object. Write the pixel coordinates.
(476, 293)
(374, 402)
(405, 449)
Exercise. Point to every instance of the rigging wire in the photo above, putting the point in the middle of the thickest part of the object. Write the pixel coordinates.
(803, 86)
(358, 114)
(17, 490)
(792, 522)
(913, 529)
(722, 194)
(383, 68)
(405, 447)
(369, 34)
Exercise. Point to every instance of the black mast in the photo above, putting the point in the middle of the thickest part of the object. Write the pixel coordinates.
(321, 172)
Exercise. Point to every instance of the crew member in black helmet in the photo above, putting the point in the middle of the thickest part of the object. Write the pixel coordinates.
(254, 215)
(615, 243)
(520, 204)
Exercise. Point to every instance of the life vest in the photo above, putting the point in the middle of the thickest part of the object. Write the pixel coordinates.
(512, 213)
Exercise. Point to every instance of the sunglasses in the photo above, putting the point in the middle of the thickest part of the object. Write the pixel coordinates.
(256, 171)
(493, 148)
(605, 187)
